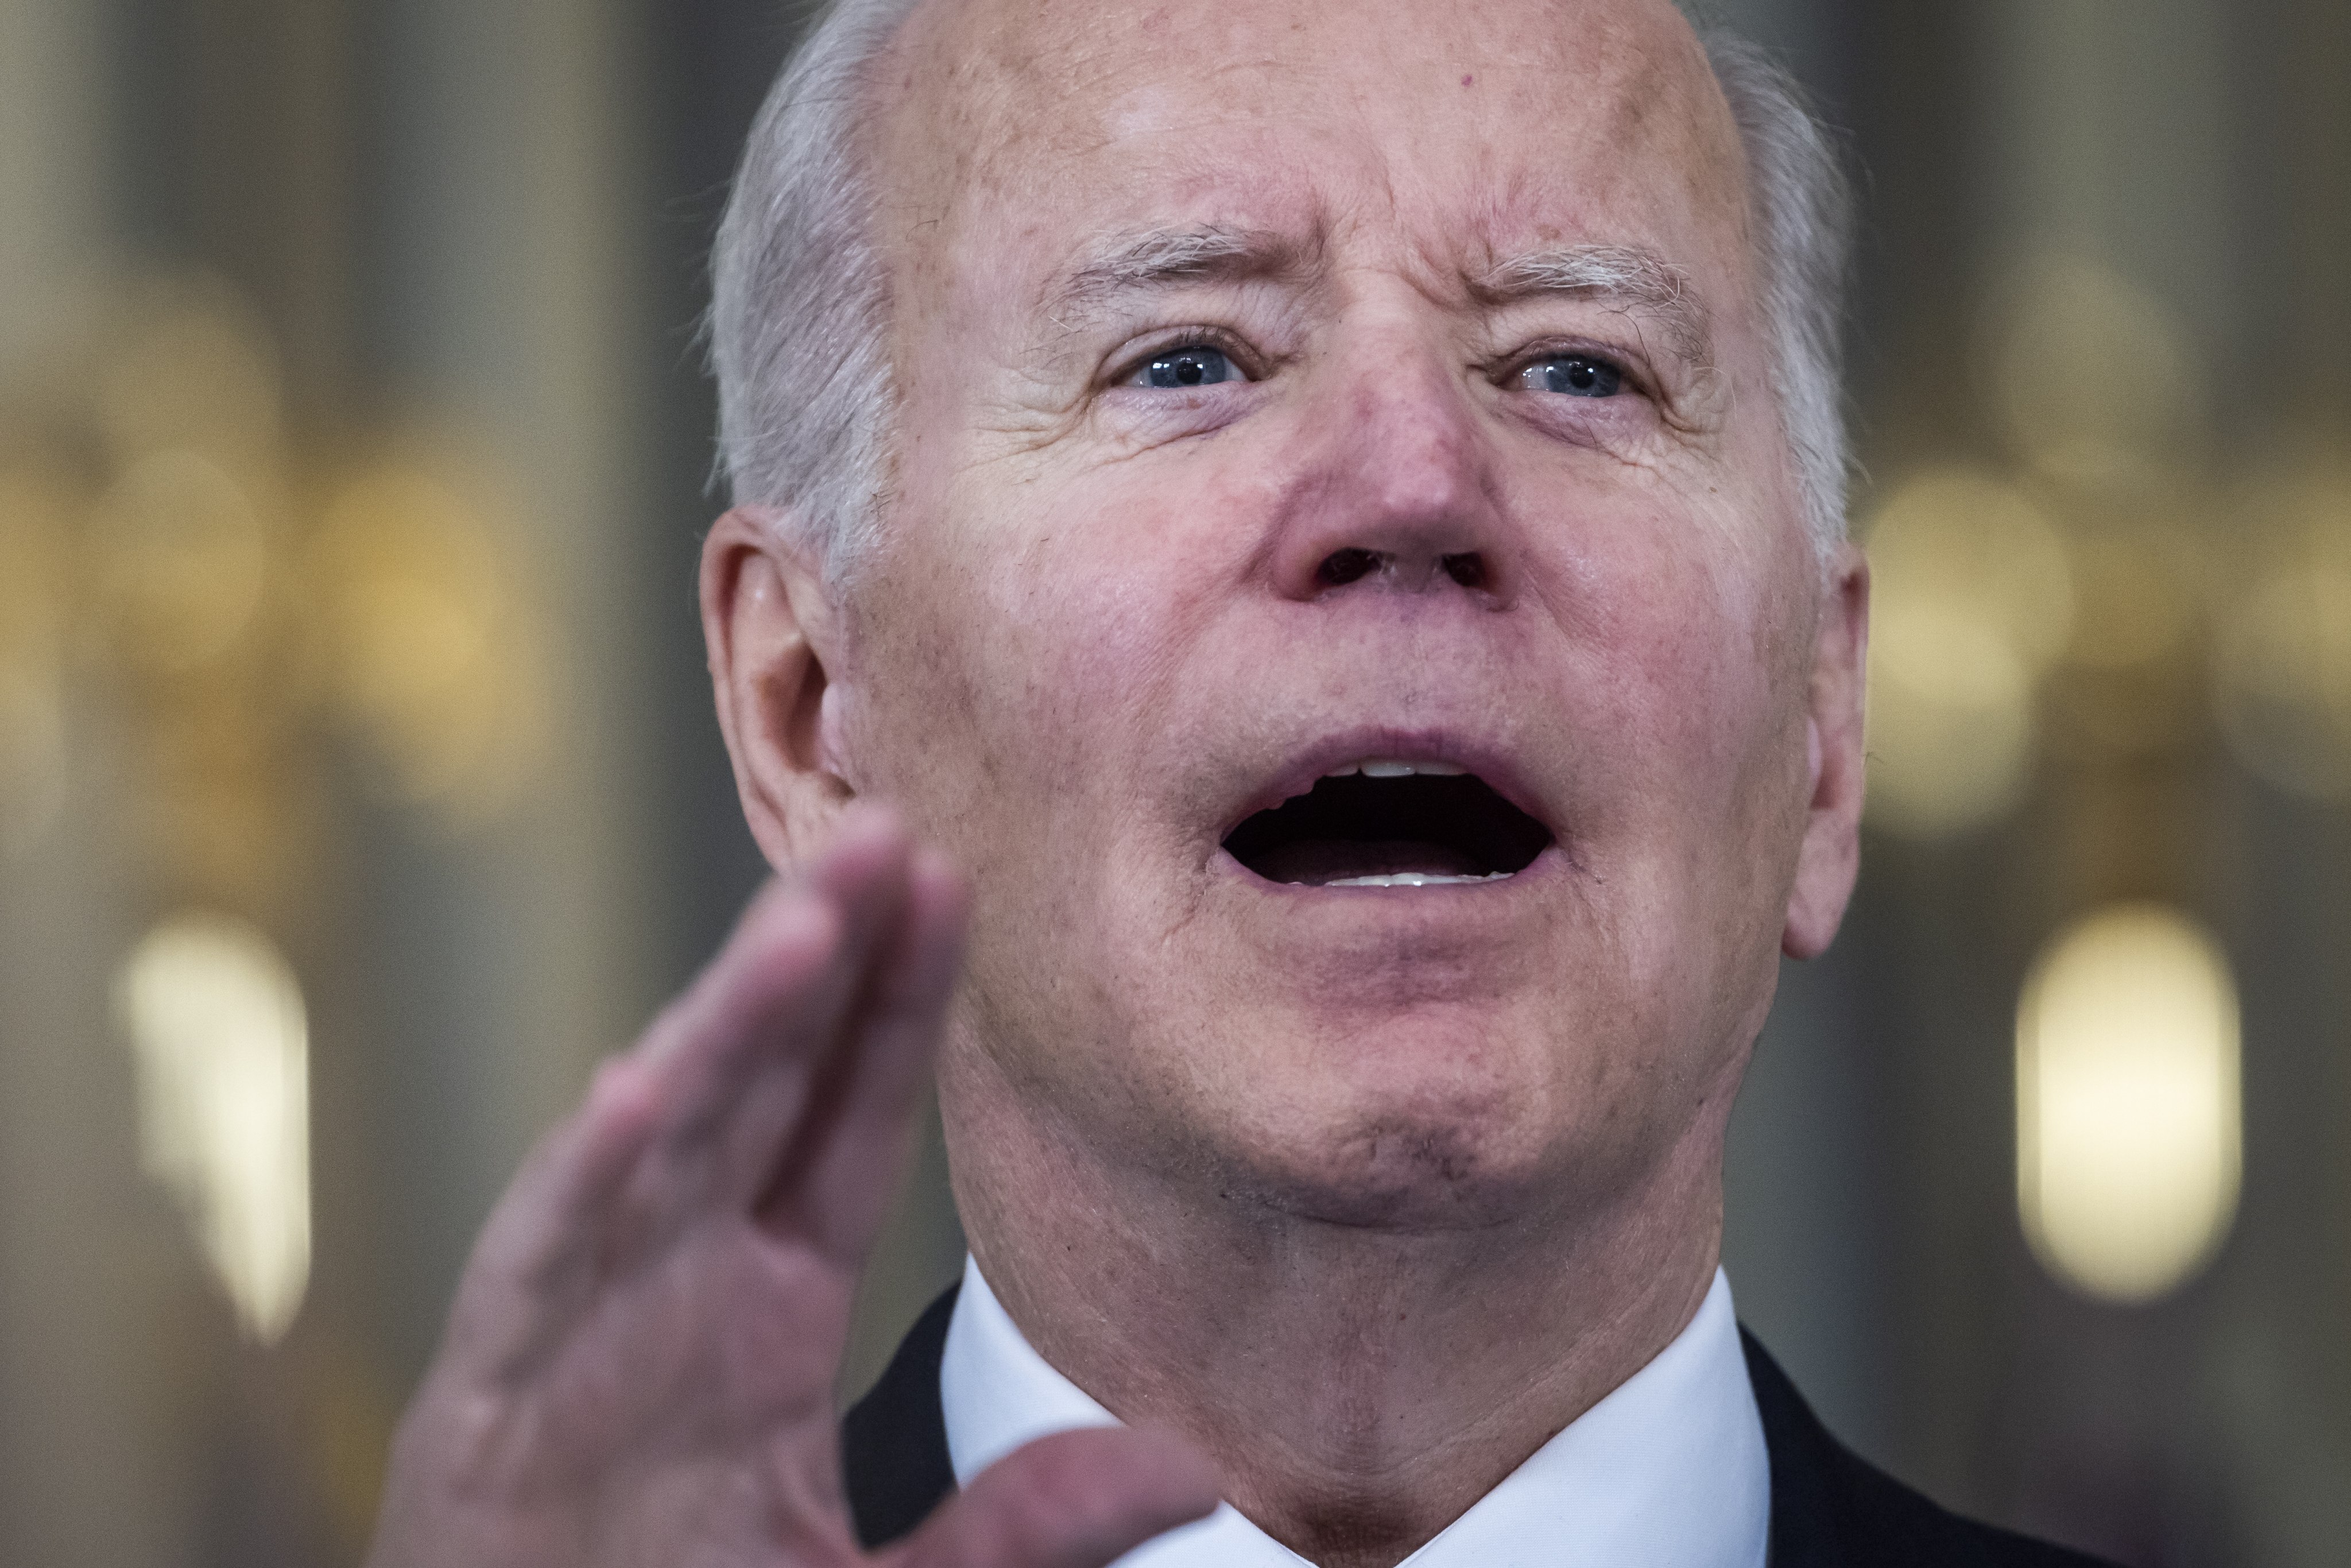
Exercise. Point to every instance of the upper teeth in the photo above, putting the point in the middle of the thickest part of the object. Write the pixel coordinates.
(1382, 767)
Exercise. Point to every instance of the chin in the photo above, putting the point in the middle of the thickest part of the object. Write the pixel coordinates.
(1418, 1138)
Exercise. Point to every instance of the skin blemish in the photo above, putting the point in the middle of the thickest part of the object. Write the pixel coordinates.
(1467, 80)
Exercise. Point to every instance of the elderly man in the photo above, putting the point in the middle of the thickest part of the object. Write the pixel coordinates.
(1326, 515)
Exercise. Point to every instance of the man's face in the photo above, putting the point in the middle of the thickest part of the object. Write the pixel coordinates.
(1296, 389)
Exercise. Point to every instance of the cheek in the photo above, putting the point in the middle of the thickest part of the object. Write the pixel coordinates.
(1690, 700)
(1029, 662)
(1672, 663)
(1098, 601)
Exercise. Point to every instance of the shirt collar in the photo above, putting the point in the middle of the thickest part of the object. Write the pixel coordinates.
(1667, 1472)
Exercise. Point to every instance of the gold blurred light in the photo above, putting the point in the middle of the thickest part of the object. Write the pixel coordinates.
(181, 561)
(426, 643)
(2090, 374)
(1971, 603)
(196, 371)
(2128, 1121)
(2135, 607)
(2132, 687)
(229, 811)
(2281, 664)
(2283, 679)
(1964, 535)
(37, 513)
(32, 753)
(35, 596)
(217, 1027)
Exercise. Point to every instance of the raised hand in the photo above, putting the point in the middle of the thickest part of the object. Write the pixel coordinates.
(640, 1366)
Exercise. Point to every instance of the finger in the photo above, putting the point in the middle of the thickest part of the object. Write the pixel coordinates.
(742, 1052)
(533, 1261)
(542, 1246)
(834, 1187)
(1076, 1500)
(572, 1188)
(768, 1111)
(577, 1169)
(768, 1007)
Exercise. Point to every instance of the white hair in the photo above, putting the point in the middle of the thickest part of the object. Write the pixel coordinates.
(1802, 205)
(800, 312)
(800, 317)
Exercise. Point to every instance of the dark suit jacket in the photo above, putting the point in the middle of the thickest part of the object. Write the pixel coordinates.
(1829, 1509)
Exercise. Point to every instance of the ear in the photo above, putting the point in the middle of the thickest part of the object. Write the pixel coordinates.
(1830, 858)
(772, 632)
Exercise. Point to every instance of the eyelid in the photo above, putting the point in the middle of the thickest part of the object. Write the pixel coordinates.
(1636, 371)
(1124, 365)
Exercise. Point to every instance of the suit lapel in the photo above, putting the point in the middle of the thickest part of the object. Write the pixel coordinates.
(1802, 1454)
(894, 1442)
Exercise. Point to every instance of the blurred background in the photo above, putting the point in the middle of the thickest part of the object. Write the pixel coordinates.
(359, 786)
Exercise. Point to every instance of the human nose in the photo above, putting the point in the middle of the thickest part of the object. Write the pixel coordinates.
(1398, 493)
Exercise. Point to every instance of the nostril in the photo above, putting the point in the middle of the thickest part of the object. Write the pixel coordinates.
(1342, 567)
(1469, 570)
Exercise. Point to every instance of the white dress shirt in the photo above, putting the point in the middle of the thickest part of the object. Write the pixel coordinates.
(1667, 1472)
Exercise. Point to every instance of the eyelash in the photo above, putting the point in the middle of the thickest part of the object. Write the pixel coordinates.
(1525, 360)
(1250, 364)
(1253, 366)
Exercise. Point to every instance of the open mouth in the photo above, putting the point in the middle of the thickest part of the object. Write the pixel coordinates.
(1390, 824)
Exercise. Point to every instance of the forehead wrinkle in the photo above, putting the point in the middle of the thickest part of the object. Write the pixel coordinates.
(1632, 278)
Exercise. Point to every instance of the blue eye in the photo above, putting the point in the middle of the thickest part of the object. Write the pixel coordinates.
(1573, 375)
(1192, 365)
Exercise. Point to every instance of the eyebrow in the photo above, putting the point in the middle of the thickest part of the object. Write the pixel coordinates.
(1631, 279)
(1157, 258)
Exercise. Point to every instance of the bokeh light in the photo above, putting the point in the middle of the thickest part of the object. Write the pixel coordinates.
(181, 561)
(2134, 605)
(216, 1022)
(196, 369)
(1971, 603)
(35, 510)
(2281, 664)
(2128, 1119)
(427, 647)
(2090, 374)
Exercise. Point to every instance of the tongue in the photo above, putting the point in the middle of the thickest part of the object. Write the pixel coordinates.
(1318, 863)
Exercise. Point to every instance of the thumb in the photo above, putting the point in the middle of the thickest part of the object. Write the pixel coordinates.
(1075, 1500)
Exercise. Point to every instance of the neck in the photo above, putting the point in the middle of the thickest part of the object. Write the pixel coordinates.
(1359, 1388)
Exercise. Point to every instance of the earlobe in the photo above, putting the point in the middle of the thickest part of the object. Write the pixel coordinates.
(771, 632)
